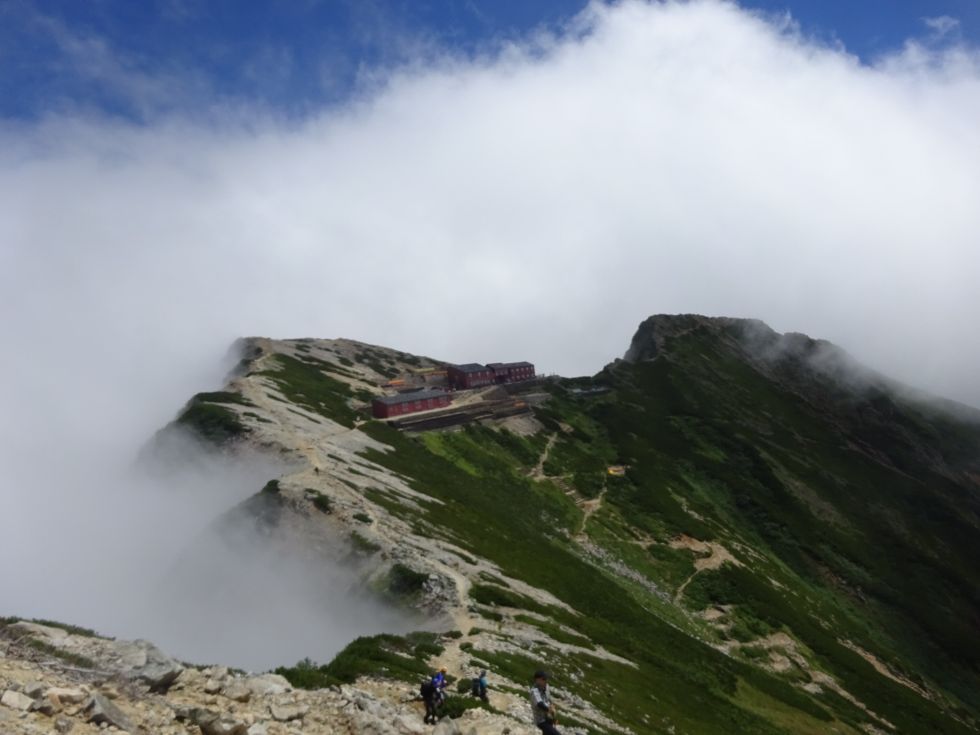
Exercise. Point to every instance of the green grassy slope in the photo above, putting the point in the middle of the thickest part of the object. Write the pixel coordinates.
(852, 511)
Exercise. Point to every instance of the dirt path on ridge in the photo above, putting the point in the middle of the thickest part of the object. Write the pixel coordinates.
(538, 472)
(589, 507)
(717, 555)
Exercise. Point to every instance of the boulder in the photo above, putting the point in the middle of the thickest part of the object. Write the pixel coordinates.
(369, 705)
(99, 709)
(109, 690)
(237, 690)
(143, 661)
(408, 725)
(16, 700)
(33, 689)
(266, 684)
(365, 724)
(288, 712)
(215, 723)
(447, 727)
(67, 695)
(224, 725)
(257, 729)
(48, 707)
(189, 679)
(63, 725)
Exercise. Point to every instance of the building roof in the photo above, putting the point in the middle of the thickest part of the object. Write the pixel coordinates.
(508, 365)
(419, 395)
(470, 367)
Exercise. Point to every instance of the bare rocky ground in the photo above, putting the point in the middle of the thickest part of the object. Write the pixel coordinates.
(55, 682)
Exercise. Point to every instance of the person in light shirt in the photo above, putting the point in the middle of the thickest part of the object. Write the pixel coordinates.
(542, 708)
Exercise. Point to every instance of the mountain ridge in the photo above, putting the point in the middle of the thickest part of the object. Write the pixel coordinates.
(723, 579)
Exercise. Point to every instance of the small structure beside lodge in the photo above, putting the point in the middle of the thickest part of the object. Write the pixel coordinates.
(474, 375)
(387, 406)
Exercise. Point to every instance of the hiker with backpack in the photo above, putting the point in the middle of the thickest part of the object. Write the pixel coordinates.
(541, 707)
(480, 686)
(429, 694)
(434, 695)
(440, 683)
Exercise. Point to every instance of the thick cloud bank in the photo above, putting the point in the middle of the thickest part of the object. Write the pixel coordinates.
(536, 203)
(654, 158)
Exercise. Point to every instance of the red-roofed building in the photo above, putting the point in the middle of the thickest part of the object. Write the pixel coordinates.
(470, 375)
(423, 400)
(511, 372)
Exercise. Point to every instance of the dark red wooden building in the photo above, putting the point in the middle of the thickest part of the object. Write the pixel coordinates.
(470, 375)
(422, 400)
(511, 372)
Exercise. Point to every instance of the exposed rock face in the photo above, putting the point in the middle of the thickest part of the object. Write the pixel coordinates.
(137, 660)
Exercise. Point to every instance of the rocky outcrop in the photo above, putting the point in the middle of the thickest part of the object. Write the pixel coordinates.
(137, 660)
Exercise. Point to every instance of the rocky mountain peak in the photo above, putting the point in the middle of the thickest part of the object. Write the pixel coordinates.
(654, 333)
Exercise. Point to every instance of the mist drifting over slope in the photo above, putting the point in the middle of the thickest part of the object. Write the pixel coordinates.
(148, 549)
(661, 157)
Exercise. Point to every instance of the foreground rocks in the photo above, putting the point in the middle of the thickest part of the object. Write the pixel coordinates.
(130, 688)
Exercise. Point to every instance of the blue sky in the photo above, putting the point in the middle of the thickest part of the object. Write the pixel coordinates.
(295, 57)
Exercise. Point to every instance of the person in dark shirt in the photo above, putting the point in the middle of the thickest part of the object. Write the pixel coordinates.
(429, 698)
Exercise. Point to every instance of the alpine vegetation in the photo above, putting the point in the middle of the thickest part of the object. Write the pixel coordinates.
(728, 530)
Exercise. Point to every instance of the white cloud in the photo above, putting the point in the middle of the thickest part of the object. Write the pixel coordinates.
(534, 204)
(941, 25)
(675, 157)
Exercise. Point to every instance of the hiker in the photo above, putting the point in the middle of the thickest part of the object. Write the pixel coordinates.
(478, 686)
(542, 708)
(481, 686)
(429, 698)
(440, 684)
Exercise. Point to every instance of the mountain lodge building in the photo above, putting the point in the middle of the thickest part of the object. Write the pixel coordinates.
(424, 400)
